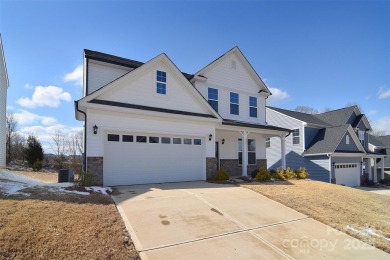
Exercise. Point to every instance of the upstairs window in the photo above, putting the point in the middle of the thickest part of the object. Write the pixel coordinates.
(234, 107)
(213, 98)
(161, 82)
(347, 139)
(267, 142)
(361, 136)
(295, 134)
(253, 106)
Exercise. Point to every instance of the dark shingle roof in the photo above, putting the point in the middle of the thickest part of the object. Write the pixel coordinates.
(337, 117)
(376, 141)
(251, 125)
(308, 118)
(357, 120)
(104, 57)
(327, 140)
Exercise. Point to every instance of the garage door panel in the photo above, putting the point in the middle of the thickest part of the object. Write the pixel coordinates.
(128, 163)
(347, 174)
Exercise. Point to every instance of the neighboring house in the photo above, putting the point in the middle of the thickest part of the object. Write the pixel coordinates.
(381, 144)
(4, 84)
(333, 146)
(151, 123)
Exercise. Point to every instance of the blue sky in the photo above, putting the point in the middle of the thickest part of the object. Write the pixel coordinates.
(323, 54)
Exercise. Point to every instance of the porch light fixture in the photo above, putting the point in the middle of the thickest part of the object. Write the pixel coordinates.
(210, 137)
(95, 128)
(223, 141)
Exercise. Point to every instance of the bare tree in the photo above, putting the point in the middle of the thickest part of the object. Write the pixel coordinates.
(306, 110)
(378, 132)
(59, 147)
(18, 144)
(74, 148)
(11, 125)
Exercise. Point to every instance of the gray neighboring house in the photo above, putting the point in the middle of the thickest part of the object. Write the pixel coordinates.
(381, 144)
(333, 146)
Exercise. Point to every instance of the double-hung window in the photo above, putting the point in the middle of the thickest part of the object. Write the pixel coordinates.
(361, 136)
(161, 85)
(213, 98)
(234, 106)
(295, 136)
(251, 151)
(253, 106)
(267, 142)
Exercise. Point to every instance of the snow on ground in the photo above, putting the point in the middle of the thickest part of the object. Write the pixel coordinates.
(367, 232)
(12, 183)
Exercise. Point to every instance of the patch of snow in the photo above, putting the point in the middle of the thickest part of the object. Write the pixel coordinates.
(13, 188)
(357, 231)
(372, 232)
(60, 189)
(367, 233)
(102, 190)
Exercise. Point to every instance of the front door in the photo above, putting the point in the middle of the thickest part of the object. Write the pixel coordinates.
(217, 153)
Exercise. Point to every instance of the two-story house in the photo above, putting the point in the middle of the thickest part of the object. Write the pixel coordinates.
(151, 123)
(381, 144)
(4, 84)
(333, 146)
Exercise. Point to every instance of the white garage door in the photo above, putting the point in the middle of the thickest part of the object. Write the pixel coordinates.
(141, 158)
(347, 174)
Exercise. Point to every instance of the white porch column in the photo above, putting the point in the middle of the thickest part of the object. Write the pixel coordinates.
(368, 169)
(244, 153)
(283, 151)
(383, 169)
(375, 171)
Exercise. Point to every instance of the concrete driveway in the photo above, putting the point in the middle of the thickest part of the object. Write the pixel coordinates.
(199, 220)
(381, 191)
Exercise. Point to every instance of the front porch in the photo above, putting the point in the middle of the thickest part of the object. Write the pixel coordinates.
(372, 162)
(240, 148)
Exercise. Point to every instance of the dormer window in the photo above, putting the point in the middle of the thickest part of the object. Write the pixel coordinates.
(361, 136)
(347, 139)
(234, 107)
(161, 85)
(253, 106)
(213, 98)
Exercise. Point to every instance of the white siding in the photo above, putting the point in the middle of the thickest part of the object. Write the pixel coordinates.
(141, 90)
(3, 108)
(294, 152)
(226, 79)
(113, 121)
(100, 74)
(229, 150)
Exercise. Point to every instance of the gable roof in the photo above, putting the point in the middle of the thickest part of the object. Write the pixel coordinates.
(3, 60)
(162, 57)
(246, 63)
(378, 141)
(328, 139)
(339, 116)
(308, 118)
(108, 58)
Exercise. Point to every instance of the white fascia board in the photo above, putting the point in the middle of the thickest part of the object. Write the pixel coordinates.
(303, 122)
(269, 133)
(316, 154)
(145, 112)
(351, 155)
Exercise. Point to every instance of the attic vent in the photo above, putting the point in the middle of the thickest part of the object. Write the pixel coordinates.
(233, 64)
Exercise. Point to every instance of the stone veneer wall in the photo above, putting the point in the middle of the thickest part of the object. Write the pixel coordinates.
(95, 167)
(211, 167)
(234, 169)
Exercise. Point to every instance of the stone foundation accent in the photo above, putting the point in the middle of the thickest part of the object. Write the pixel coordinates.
(234, 169)
(333, 180)
(95, 167)
(211, 167)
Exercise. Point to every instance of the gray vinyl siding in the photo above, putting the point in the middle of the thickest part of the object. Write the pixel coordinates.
(318, 168)
(345, 160)
(310, 133)
(343, 146)
(293, 152)
(361, 126)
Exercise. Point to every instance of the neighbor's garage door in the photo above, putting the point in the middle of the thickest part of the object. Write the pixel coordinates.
(347, 174)
(140, 158)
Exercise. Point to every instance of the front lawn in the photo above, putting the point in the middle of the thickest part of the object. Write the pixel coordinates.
(50, 222)
(361, 214)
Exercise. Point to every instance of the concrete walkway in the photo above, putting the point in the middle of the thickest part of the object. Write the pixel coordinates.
(199, 220)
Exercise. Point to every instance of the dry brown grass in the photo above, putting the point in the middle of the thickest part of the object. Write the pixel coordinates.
(42, 176)
(334, 205)
(62, 226)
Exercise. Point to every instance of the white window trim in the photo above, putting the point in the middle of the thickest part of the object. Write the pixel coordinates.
(299, 136)
(253, 107)
(248, 151)
(238, 103)
(212, 98)
(165, 83)
(347, 139)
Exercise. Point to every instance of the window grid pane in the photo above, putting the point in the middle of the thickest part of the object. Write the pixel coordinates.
(295, 135)
(253, 101)
(214, 104)
(233, 98)
(113, 138)
(253, 111)
(127, 138)
(161, 88)
(165, 140)
(234, 109)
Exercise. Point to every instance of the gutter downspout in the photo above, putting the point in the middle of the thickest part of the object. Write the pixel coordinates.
(85, 136)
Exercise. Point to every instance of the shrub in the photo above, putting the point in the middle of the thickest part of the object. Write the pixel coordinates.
(385, 181)
(33, 151)
(254, 173)
(221, 175)
(83, 179)
(278, 174)
(302, 173)
(263, 174)
(37, 165)
(289, 173)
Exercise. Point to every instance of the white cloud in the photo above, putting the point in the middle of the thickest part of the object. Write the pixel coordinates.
(382, 123)
(277, 95)
(75, 76)
(50, 96)
(383, 93)
(28, 86)
(25, 117)
(372, 112)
